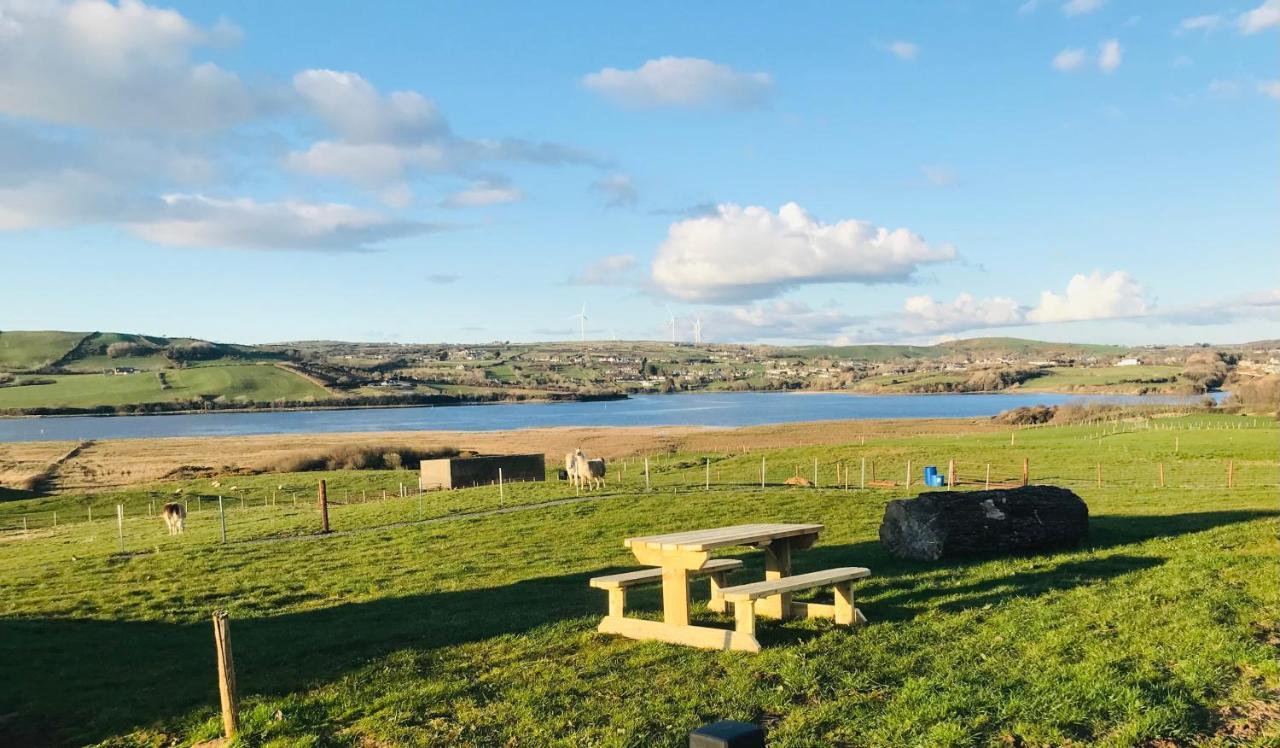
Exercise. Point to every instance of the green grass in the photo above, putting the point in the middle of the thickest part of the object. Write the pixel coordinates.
(22, 350)
(1113, 378)
(255, 383)
(480, 631)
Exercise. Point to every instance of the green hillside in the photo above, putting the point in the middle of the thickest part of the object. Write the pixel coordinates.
(252, 382)
(22, 350)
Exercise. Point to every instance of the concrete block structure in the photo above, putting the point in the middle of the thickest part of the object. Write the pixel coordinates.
(463, 472)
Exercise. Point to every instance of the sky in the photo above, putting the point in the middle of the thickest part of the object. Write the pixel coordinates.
(1070, 170)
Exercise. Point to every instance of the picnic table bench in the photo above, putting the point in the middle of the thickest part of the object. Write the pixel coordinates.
(680, 556)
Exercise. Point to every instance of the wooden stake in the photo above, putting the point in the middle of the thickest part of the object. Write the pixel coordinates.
(762, 468)
(226, 675)
(1099, 475)
(222, 517)
(1162, 475)
(323, 498)
(646, 473)
(862, 479)
(119, 524)
(502, 496)
(815, 472)
(1231, 473)
(908, 474)
(988, 484)
(707, 482)
(1026, 470)
(951, 473)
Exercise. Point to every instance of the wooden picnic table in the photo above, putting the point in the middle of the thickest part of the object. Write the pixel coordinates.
(679, 554)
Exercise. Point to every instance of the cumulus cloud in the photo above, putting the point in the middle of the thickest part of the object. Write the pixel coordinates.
(924, 315)
(1093, 296)
(384, 140)
(242, 223)
(1081, 7)
(1199, 23)
(480, 194)
(617, 190)
(1261, 18)
(777, 320)
(1110, 55)
(753, 253)
(614, 270)
(904, 50)
(1068, 59)
(114, 66)
(688, 82)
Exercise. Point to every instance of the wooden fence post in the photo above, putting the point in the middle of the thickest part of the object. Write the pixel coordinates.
(222, 517)
(1026, 470)
(815, 472)
(119, 524)
(1231, 473)
(908, 474)
(951, 473)
(862, 479)
(707, 481)
(502, 495)
(1099, 475)
(762, 469)
(323, 498)
(1162, 475)
(988, 483)
(226, 674)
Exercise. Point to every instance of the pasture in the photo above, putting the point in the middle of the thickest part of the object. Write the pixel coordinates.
(464, 618)
(251, 382)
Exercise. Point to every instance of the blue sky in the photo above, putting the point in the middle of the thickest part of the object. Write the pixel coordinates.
(1082, 170)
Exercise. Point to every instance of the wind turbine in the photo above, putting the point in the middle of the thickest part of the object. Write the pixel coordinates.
(582, 322)
(697, 331)
(672, 322)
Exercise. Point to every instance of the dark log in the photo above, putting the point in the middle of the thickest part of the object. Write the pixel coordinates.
(953, 524)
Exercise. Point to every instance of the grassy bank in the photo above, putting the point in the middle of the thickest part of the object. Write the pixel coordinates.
(479, 630)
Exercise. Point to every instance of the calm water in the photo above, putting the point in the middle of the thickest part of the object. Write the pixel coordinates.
(728, 409)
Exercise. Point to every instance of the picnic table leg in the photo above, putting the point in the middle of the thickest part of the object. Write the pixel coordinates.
(717, 602)
(675, 595)
(777, 564)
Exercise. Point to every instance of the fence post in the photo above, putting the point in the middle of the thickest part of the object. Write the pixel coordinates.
(862, 478)
(708, 478)
(24, 524)
(222, 517)
(226, 674)
(120, 524)
(91, 512)
(323, 491)
(951, 473)
(762, 471)
(1026, 470)
(55, 519)
(1231, 473)
(502, 496)
(815, 472)
(908, 475)
(1099, 475)
(646, 473)
(1162, 475)
(1011, 435)
(988, 483)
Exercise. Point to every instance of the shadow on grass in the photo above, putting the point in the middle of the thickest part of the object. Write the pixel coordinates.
(70, 681)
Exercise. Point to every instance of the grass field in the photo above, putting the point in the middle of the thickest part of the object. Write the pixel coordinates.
(479, 630)
(256, 383)
(21, 350)
(1105, 378)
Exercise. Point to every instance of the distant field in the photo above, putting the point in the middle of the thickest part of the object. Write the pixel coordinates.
(1114, 378)
(31, 350)
(251, 382)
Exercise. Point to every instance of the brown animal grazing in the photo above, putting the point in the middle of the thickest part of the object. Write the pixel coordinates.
(175, 518)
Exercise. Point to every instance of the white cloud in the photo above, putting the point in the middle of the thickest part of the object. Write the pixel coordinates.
(1068, 59)
(385, 140)
(778, 320)
(751, 253)
(618, 190)
(1221, 87)
(904, 50)
(114, 67)
(1199, 23)
(199, 221)
(484, 193)
(1261, 18)
(924, 315)
(1081, 7)
(1270, 88)
(682, 82)
(1094, 296)
(1028, 7)
(1109, 55)
(614, 270)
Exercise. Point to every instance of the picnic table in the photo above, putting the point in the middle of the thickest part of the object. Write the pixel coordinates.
(682, 555)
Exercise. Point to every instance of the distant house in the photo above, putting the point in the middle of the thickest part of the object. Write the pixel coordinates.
(1128, 362)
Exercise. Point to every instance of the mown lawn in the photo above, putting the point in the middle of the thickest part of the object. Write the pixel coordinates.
(480, 631)
(252, 382)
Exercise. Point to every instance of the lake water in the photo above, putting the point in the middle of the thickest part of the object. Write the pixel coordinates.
(722, 409)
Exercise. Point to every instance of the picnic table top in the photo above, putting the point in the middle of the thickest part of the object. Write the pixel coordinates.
(721, 537)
